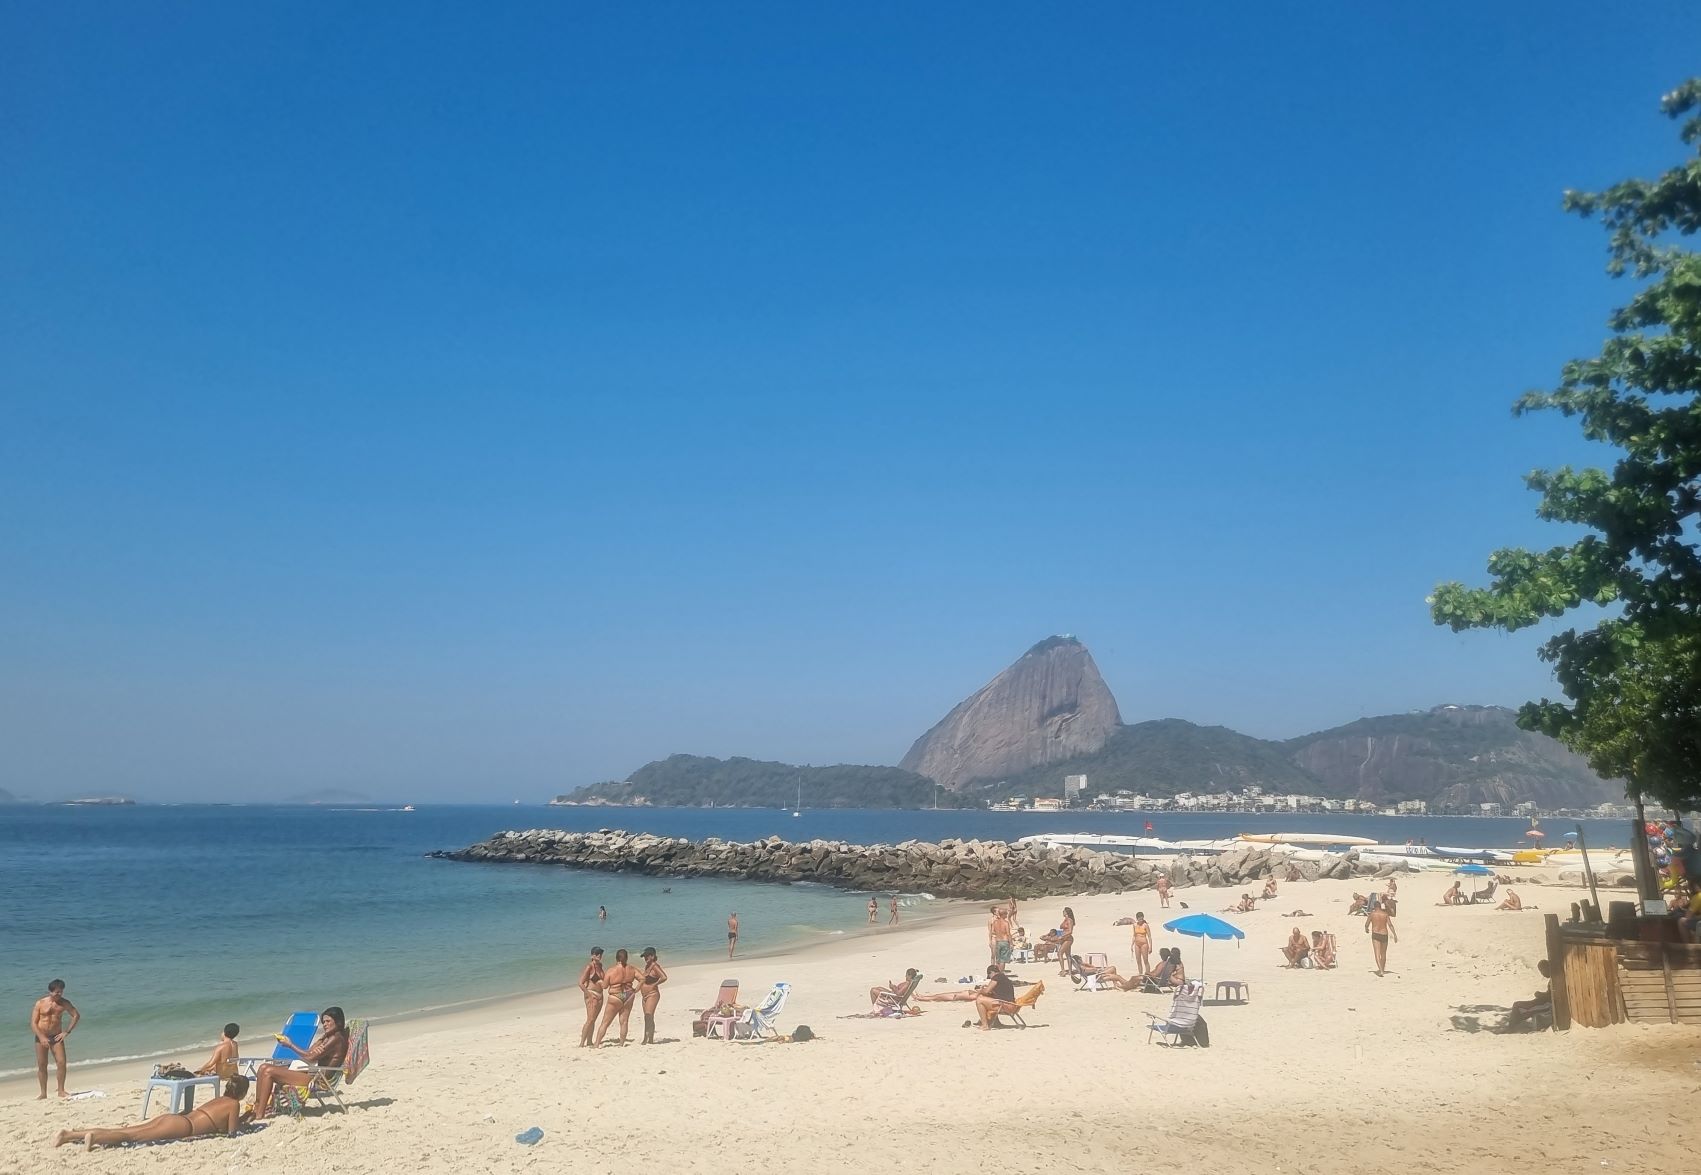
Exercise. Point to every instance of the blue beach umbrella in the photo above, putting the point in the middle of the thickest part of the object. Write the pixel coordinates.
(1201, 927)
(1474, 869)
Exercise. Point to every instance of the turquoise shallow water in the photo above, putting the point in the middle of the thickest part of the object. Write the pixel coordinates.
(165, 922)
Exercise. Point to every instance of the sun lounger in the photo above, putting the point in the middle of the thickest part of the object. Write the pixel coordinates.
(1024, 1002)
(326, 1083)
(1180, 1027)
(758, 1023)
(726, 998)
(893, 1003)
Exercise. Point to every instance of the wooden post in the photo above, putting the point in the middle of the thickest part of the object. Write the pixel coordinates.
(1556, 975)
(1589, 873)
(1671, 991)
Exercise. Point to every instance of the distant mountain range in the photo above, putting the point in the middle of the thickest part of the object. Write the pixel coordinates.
(1050, 714)
(7, 797)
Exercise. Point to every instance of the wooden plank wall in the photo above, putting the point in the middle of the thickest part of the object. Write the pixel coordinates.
(1600, 981)
(1661, 982)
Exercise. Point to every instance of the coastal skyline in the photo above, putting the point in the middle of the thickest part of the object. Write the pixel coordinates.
(417, 403)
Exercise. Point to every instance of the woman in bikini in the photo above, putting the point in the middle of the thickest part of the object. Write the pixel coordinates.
(328, 1050)
(1065, 940)
(649, 990)
(1142, 944)
(590, 984)
(222, 1115)
(617, 984)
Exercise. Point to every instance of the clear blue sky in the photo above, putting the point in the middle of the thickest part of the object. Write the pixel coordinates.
(461, 402)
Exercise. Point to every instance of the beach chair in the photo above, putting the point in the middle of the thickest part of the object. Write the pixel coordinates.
(894, 1003)
(726, 998)
(1485, 895)
(1027, 1001)
(1082, 980)
(758, 1023)
(299, 1029)
(326, 1084)
(1180, 1027)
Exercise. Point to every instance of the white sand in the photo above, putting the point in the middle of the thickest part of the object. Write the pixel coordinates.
(1321, 1071)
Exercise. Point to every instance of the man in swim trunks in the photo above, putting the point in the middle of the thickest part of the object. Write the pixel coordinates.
(1379, 924)
(731, 933)
(222, 1115)
(48, 1031)
(998, 936)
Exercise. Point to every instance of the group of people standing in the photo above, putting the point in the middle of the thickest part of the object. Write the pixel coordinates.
(610, 992)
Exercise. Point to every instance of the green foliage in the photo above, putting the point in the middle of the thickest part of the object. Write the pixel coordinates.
(698, 781)
(1632, 682)
(1162, 758)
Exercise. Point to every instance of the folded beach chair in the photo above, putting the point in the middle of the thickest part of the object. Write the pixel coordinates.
(758, 1023)
(891, 1003)
(1181, 1026)
(726, 998)
(1027, 1001)
(327, 1083)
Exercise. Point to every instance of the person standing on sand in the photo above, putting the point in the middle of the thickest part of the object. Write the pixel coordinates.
(873, 910)
(998, 936)
(1163, 891)
(1142, 942)
(1379, 924)
(731, 933)
(47, 1025)
(617, 983)
(649, 989)
(893, 920)
(590, 984)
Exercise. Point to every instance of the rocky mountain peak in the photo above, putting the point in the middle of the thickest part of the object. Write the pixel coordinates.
(1051, 704)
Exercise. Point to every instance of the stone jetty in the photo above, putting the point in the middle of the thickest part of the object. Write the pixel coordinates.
(950, 868)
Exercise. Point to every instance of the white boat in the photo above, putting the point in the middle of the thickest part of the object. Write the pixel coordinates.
(1311, 839)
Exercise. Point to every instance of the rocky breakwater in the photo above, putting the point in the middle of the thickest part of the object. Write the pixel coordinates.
(951, 868)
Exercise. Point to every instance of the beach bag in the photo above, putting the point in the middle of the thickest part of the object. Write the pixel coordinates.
(802, 1032)
(1202, 1033)
(172, 1072)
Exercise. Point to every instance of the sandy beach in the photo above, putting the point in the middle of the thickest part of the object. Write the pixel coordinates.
(1320, 1072)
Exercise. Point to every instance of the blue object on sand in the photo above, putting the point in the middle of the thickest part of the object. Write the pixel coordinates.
(529, 1137)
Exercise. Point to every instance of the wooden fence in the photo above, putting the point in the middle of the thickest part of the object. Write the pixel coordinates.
(1598, 980)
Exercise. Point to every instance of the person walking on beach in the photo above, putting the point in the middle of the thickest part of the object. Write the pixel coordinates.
(1379, 924)
(649, 990)
(893, 920)
(618, 983)
(590, 985)
(873, 910)
(1142, 943)
(47, 1025)
(1163, 891)
(731, 933)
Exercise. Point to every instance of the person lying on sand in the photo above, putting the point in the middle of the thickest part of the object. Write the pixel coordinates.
(895, 988)
(1297, 950)
(1452, 897)
(1299, 914)
(222, 1115)
(1246, 905)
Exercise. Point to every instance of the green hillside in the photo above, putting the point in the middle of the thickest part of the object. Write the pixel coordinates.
(1162, 758)
(695, 780)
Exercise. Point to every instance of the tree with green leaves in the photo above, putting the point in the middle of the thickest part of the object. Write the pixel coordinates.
(1632, 681)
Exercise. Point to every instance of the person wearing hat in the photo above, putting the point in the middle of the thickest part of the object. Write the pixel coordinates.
(650, 980)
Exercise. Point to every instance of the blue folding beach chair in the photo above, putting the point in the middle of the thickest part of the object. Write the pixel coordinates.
(300, 1029)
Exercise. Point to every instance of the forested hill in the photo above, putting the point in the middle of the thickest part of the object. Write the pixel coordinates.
(697, 781)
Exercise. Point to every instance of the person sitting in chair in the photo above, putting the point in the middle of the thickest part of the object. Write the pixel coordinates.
(1525, 1011)
(888, 996)
(1298, 949)
(1322, 950)
(328, 1050)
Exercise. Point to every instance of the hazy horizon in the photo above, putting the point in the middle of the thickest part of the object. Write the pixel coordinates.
(432, 403)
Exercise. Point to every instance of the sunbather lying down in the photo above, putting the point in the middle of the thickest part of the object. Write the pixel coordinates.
(222, 1115)
(963, 994)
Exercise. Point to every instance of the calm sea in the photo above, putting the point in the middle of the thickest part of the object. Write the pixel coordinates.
(165, 922)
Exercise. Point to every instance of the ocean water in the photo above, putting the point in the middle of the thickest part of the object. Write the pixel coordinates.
(167, 921)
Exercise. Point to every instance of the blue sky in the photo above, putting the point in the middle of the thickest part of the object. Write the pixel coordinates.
(454, 402)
